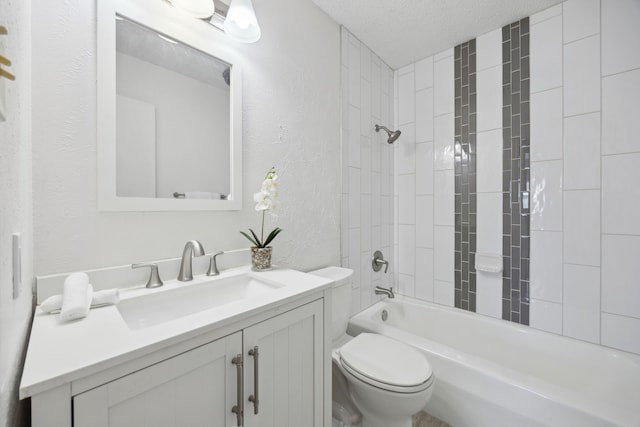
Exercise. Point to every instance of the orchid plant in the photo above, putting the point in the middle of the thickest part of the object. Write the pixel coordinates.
(265, 200)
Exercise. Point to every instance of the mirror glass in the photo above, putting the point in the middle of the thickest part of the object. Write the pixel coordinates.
(172, 117)
(169, 121)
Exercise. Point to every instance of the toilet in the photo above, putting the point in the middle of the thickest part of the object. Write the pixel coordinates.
(388, 381)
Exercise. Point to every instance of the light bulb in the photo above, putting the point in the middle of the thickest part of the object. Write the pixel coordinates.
(241, 23)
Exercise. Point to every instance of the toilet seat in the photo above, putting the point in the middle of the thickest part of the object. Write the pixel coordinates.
(386, 364)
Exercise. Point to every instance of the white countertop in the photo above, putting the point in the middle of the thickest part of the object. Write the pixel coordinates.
(60, 352)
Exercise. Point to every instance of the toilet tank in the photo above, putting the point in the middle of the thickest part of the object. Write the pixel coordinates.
(341, 297)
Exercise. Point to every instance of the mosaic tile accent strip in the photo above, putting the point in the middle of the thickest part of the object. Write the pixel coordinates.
(465, 175)
(516, 171)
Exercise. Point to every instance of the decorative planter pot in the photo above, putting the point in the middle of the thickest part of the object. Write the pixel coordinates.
(261, 258)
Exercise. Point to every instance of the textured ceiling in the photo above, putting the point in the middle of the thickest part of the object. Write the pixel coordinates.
(404, 31)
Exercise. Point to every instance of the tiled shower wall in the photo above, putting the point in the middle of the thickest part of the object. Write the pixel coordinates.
(585, 148)
(367, 168)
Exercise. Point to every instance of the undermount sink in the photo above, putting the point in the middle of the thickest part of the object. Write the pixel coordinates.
(186, 299)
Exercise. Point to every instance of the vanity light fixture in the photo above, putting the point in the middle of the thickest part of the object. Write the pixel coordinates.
(241, 23)
(196, 8)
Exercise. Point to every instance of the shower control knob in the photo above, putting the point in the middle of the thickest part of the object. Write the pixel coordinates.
(378, 261)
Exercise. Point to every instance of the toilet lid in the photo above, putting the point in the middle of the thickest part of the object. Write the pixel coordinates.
(386, 363)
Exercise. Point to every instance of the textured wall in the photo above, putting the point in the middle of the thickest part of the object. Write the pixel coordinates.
(15, 204)
(291, 120)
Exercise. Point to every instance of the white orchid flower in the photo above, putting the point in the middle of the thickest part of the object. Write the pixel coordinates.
(265, 201)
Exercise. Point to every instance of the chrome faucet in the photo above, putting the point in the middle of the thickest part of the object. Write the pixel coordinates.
(191, 249)
(379, 290)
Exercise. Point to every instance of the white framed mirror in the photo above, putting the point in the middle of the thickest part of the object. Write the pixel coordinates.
(169, 111)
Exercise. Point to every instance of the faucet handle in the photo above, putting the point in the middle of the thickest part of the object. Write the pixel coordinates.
(378, 261)
(154, 278)
(213, 265)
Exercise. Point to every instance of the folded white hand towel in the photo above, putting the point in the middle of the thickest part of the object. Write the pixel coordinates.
(99, 299)
(76, 297)
(105, 297)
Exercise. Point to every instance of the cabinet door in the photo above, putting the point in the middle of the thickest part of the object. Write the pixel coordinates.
(196, 388)
(289, 369)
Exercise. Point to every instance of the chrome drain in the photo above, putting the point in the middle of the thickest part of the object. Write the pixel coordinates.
(385, 315)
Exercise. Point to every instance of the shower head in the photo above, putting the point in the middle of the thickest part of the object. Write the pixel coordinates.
(393, 135)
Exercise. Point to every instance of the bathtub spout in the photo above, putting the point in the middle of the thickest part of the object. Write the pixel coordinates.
(384, 291)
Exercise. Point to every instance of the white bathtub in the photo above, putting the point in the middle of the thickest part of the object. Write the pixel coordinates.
(491, 372)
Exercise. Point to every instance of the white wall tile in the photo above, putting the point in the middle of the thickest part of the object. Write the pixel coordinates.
(444, 134)
(620, 36)
(424, 115)
(546, 54)
(621, 194)
(354, 74)
(376, 238)
(354, 136)
(489, 98)
(424, 168)
(620, 274)
(366, 290)
(489, 294)
(407, 285)
(442, 55)
(406, 149)
(424, 73)
(407, 200)
(582, 227)
(443, 84)
(406, 98)
(365, 165)
(355, 301)
(424, 221)
(354, 197)
(582, 152)
(424, 274)
(580, 18)
(489, 161)
(489, 217)
(621, 332)
(365, 108)
(620, 112)
(546, 316)
(365, 62)
(344, 226)
(365, 222)
(406, 69)
(407, 249)
(444, 198)
(582, 76)
(443, 253)
(344, 47)
(546, 195)
(375, 90)
(443, 293)
(581, 303)
(546, 14)
(354, 255)
(546, 125)
(489, 50)
(546, 266)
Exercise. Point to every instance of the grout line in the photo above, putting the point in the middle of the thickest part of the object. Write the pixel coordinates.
(577, 40)
(617, 73)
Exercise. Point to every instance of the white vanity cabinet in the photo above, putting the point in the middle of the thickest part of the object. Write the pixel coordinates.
(282, 381)
(287, 375)
(192, 389)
